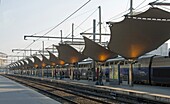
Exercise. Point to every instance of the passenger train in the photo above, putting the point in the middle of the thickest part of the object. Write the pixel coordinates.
(153, 70)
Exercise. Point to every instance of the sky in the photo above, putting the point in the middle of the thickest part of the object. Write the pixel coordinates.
(36, 17)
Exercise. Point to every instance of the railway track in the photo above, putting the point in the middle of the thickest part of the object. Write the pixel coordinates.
(83, 94)
(71, 96)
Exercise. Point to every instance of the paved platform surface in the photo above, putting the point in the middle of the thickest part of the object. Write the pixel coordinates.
(147, 89)
(140, 88)
(156, 93)
(14, 93)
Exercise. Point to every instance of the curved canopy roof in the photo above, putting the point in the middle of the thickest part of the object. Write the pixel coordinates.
(132, 38)
(55, 60)
(153, 13)
(30, 63)
(45, 61)
(37, 62)
(25, 65)
(17, 65)
(69, 54)
(21, 64)
(14, 65)
(96, 51)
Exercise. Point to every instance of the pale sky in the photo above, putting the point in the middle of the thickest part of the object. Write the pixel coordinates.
(26, 17)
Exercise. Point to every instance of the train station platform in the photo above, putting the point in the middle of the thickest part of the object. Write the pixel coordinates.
(15, 93)
(155, 93)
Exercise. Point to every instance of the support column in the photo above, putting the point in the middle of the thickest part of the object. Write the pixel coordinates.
(131, 74)
(42, 72)
(71, 72)
(94, 66)
(52, 72)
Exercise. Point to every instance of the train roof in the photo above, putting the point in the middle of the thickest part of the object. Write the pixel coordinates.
(116, 59)
(85, 62)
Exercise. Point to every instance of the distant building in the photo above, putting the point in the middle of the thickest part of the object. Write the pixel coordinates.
(3, 59)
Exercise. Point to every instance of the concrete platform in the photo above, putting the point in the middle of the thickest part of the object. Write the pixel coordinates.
(156, 93)
(14, 93)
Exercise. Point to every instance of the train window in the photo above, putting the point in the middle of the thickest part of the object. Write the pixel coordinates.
(111, 63)
(122, 63)
(161, 72)
(107, 64)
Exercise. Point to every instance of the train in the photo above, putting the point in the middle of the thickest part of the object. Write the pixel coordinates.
(153, 70)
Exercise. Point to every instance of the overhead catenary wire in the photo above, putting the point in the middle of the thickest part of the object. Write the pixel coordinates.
(140, 4)
(90, 28)
(78, 26)
(66, 18)
(69, 19)
(83, 13)
(83, 21)
(147, 5)
(61, 22)
(118, 16)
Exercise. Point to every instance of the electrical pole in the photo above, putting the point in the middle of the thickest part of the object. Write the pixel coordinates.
(100, 24)
(94, 32)
(72, 32)
(43, 47)
(131, 7)
(61, 36)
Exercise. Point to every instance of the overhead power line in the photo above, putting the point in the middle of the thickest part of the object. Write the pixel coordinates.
(61, 22)
(84, 21)
(66, 18)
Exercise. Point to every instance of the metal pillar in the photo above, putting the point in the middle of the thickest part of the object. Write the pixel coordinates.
(94, 66)
(43, 47)
(61, 36)
(100, 24)
(131, 7)
(52, 73)
(42, 72)
(72, 31)
(71, 72)
(150, 67)
(131, 73)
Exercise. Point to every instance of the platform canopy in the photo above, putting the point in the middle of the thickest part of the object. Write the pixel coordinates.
(96, 51)
(139, 34)
(55, 60)
(153, 12)
(69, 54)
(30, 63)
(37, 62)
(25, 65)
(45, 61)
(17, 65)
(21, 65)
(14, 65)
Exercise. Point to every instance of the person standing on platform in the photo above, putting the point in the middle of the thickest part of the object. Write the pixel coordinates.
(107, 75)
(62, 74)
(100, 77)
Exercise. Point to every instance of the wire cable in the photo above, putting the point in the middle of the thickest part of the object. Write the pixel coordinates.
(66, 18)
(83, 21)
(140, 4)
(61, 22)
